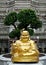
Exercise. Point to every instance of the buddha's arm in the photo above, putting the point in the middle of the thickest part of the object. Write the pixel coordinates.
(34, 49)
(13, 49)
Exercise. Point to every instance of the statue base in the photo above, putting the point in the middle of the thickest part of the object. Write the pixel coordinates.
(25, 59)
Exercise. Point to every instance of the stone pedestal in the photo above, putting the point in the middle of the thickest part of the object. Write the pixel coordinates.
(7, 61)
(39, 63)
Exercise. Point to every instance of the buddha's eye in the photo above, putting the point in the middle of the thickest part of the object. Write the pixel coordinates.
(23, 35)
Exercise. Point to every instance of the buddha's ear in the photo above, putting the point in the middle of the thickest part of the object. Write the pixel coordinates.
(29, 37)
(20, 37)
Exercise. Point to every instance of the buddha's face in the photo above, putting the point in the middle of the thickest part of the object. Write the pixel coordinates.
(24, 36)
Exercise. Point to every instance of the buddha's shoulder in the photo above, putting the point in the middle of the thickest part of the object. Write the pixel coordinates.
(32, 41)
(17, 42)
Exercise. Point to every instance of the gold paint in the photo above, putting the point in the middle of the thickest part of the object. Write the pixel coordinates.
(24, 49)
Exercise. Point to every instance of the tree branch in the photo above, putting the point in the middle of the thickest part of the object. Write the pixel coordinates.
(14, 25)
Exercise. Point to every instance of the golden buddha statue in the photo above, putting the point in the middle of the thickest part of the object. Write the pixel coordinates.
(24, 50)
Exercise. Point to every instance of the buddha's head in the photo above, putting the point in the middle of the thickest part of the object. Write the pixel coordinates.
(24, 36)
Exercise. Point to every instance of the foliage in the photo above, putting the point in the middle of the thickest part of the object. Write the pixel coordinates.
(11, 18)
(31, 31)
(14, 33)
(26, 17)
(37, 24)
(22, 25)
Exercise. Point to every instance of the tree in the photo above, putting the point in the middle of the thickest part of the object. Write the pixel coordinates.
(27, 19)
(10, 19)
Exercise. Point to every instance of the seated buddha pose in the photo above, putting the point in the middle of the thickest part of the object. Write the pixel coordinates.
(24, 49)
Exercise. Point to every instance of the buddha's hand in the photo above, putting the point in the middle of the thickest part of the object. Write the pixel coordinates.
(32, 52)
(16, 55)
